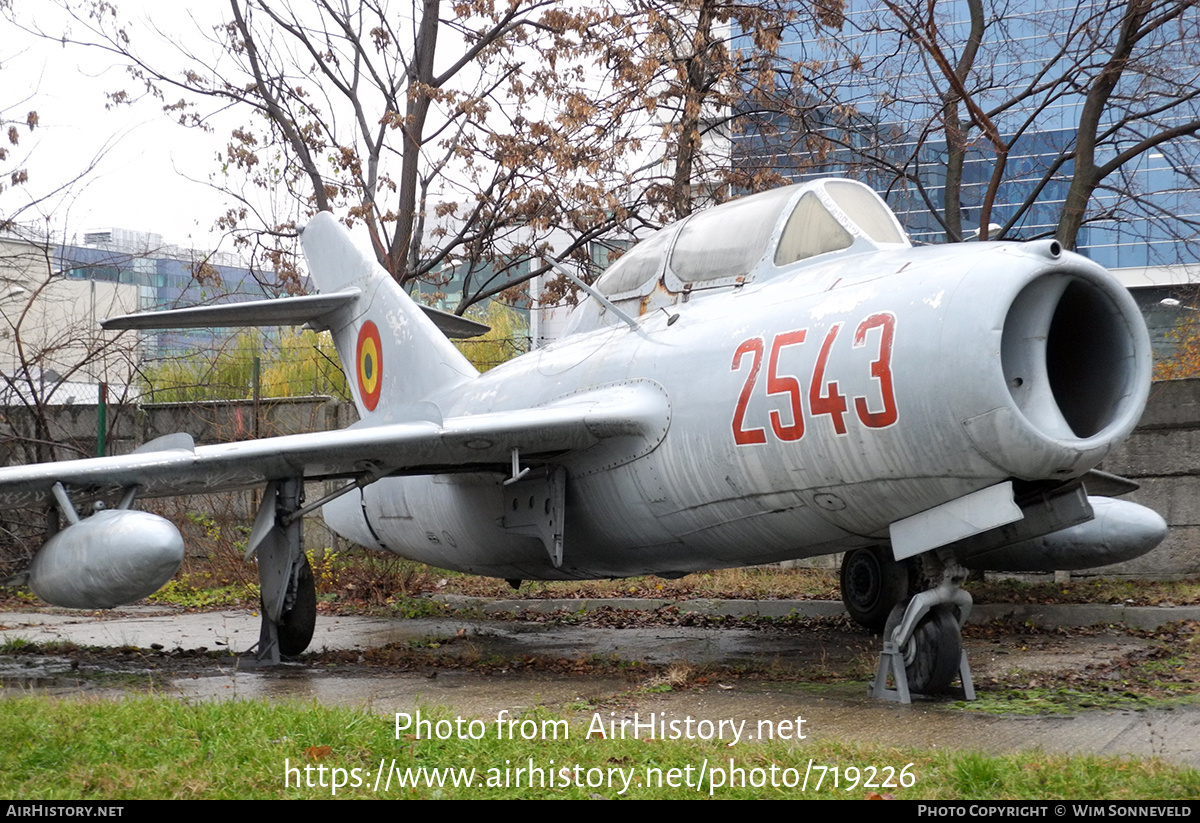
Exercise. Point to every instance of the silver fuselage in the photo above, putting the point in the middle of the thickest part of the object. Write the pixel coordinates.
(920, 375)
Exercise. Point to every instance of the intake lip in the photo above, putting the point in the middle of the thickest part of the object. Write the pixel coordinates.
(1075, 357)
(1074, 364)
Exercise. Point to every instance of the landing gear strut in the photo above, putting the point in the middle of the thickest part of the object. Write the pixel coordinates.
(922, 641)
(289, 595)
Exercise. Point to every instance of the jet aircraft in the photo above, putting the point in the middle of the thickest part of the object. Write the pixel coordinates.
(779, 377)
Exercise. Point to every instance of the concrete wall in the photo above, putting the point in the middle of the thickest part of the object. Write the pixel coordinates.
(73, 427)
(1163, 455)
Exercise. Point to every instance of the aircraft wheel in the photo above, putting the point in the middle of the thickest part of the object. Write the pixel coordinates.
(872, 585)
(932, 656)
(297, 624)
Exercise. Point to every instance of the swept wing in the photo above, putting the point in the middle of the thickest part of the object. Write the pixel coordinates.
(462, 443)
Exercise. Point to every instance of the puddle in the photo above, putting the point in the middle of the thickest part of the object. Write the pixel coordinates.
(842, 712)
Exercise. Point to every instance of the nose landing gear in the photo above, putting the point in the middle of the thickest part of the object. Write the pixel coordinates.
(922, 641)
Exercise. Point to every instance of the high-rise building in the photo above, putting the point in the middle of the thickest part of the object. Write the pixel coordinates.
(165, 277)
(877, 98)
(880, 110)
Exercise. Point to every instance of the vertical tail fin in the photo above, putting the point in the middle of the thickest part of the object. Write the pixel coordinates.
(394, 356)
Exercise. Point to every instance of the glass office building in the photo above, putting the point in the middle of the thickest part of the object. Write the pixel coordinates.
(167, 277)
(873, 112)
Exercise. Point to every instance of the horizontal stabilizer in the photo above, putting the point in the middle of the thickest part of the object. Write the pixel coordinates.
(454, 326)
(282, 311)
(168, 442)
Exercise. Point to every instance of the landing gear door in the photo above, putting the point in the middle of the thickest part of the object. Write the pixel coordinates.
(536, 506)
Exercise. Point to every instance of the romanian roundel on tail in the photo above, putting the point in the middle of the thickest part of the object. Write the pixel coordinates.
(394, 356)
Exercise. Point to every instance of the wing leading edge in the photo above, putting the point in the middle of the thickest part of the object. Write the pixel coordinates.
(575, 424)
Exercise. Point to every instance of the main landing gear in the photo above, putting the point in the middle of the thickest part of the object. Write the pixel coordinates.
(289, 593)
(922, 639)
(299, 619)
(872, 584)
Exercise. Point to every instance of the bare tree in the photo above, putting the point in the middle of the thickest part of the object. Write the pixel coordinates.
(16, 119)
(471, 138)
(53, 361)
(450, 130)
(52, 351)
(1080, 93)
(15, 174)
(1138, 97)
(701, 72)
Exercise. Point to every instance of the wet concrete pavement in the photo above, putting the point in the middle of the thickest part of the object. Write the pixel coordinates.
(841, 711)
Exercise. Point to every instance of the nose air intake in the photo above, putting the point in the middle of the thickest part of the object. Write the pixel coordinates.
(1075, 357)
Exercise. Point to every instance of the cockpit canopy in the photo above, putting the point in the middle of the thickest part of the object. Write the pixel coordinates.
(753, 237)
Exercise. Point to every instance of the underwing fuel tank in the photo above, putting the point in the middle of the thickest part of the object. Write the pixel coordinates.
(1120, 531)
(109, 559)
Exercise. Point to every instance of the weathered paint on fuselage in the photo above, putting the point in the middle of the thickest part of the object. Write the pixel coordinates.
(808, 410)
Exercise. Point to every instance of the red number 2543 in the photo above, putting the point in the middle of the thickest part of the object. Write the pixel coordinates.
(823, 397)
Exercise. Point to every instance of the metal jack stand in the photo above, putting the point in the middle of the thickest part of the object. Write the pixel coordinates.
(891, 662)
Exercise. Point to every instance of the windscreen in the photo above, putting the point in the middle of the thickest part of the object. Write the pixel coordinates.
(636, 266)
(810, 230)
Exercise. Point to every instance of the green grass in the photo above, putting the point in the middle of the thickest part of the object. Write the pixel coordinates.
(155, 747)
(23, 646)
(186, 593)
(15, 645)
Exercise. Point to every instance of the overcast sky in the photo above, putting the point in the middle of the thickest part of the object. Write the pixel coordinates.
(151, 172)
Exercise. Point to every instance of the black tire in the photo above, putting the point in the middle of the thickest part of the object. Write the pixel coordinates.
(934, 652)
(297, 624)
(872, 585)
